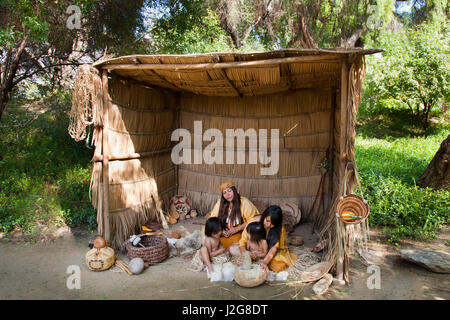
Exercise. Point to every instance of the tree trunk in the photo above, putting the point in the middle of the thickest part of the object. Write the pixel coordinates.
(2, 106)
(437, 174)
(9, 69)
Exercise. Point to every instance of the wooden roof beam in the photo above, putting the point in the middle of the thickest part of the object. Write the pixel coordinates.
(224, 75)
(216, 59)
(223, 65)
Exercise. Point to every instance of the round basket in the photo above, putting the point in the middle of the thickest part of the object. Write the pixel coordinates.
(156, 249)
(353, 203)
(315, 272)
(250, 278)
(99, 259)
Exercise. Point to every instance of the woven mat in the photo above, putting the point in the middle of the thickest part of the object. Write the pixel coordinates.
(197, 264)
(305, 260)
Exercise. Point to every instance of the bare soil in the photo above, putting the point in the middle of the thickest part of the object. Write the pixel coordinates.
(39, 271)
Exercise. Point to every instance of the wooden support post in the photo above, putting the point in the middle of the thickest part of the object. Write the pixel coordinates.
(342, 151)
(105, 163)
(177, 125)
(332, 144)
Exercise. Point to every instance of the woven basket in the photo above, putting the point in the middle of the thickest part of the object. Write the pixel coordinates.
(156, 249)
(354, 203)
(315, 272)
(251, 277)
(155, 226)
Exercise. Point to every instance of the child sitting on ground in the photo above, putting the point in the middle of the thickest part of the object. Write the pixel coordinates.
(256, 244)
(211, 245)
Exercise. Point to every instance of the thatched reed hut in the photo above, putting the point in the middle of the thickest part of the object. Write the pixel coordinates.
(134, 103)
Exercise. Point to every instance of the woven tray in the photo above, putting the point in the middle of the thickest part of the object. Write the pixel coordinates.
(156, 249)
(354, 203)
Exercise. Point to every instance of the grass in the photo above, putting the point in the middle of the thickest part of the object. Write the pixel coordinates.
(389, 162)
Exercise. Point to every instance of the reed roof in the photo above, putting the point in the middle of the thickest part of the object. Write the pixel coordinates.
(236, 74)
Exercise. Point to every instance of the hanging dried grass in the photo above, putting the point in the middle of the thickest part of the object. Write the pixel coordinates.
(341, 237)
(87, 104)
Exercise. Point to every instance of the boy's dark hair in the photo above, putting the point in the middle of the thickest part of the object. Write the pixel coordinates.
(256, 231)
(212, 226)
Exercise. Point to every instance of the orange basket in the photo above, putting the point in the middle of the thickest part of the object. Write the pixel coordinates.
(355, 204)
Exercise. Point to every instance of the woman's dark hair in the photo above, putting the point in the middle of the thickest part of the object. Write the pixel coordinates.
(276, 218)
(235, 212)
(256, 231)
(212, 226)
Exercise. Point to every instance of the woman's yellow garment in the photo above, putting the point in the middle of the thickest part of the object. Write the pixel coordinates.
(283, 258)
(248, 212)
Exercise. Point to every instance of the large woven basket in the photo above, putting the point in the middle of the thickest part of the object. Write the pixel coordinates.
(354, 203)
(251, 277)
(156, 249)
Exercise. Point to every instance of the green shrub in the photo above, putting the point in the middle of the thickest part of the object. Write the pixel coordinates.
(44, 173)
(388, 169)
(404, 210)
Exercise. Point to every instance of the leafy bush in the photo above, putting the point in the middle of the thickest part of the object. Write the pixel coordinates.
(44, 174)
(388, 169)
(403, 210)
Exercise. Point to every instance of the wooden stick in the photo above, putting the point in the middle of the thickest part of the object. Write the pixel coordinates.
(105, 151)
(149, 234)
(224, 75)
(237, 64)
(342, 155)
(122, 265)
(163, 220)
(130, 156)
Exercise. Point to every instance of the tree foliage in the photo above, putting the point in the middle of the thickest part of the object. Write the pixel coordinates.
(270, 24)
(35, 38)
(414, 69)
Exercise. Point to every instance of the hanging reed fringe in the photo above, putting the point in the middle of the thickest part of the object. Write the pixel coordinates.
(341, 237)
(87, 104)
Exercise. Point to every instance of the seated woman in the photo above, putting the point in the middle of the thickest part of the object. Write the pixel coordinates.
(278, 258)
(234, 212)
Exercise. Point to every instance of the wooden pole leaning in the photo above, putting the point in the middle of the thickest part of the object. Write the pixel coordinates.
(105, 162)
(342, 154)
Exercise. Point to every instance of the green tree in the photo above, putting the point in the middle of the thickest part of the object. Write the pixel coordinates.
(414, 70)
(268, 24)
(36, 38)
(178, 30)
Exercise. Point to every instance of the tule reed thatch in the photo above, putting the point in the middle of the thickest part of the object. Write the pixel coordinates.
(310, 96)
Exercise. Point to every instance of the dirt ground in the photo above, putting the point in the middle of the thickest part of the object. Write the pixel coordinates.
(39, 271)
